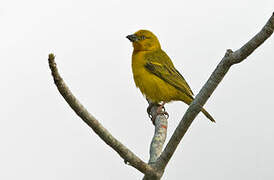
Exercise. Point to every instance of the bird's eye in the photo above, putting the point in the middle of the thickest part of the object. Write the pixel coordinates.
(142, 37)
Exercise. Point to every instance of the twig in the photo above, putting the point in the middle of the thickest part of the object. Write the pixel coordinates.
(81, 111)
(228, 60)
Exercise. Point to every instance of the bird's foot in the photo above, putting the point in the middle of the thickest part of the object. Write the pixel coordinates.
(160, 111)
(150, 107)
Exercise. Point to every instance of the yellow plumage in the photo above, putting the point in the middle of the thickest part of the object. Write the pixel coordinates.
(154, 73)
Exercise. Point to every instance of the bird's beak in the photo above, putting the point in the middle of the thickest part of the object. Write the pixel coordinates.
(132, 38)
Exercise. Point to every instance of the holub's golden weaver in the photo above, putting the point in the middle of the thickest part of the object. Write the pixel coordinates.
(154, 73)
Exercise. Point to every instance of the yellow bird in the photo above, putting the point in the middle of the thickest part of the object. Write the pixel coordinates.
(154, 73)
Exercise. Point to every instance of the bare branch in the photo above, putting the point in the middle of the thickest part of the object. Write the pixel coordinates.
(160, 124)
(103, 133)
(158, 139)
(157, 142)
(216, 77)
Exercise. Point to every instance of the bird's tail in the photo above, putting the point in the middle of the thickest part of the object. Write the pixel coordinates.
(188, 99)
(208, 115)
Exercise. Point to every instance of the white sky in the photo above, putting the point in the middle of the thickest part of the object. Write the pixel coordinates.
(42, 138)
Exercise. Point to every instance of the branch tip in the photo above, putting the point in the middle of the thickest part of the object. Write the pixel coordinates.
(51, 56)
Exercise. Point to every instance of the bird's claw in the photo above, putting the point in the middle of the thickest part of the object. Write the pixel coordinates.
(150, 106)
(166, 114)
(149, 109)
(161, 110)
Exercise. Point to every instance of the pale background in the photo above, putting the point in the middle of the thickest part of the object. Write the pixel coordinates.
(42, 138)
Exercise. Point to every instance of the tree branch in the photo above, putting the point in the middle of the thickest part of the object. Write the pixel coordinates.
(103, 133)
(159, 138)
(216, 77)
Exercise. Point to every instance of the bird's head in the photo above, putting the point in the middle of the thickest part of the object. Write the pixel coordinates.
(144, 40)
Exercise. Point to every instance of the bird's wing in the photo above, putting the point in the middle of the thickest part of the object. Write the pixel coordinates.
(160, 64)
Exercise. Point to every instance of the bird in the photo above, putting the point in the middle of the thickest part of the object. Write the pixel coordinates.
(155, 75)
